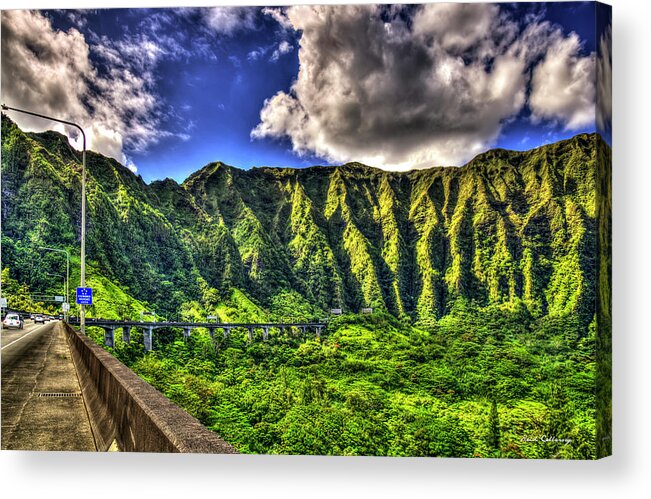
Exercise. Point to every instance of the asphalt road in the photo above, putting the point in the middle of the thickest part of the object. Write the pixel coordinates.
(12, 352)
(41, 405)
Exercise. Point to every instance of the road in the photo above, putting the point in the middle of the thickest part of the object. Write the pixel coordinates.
(41, 405)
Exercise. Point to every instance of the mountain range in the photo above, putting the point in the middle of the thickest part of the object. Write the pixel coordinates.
(509, 228)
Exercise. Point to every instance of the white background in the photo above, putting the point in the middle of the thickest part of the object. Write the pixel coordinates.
(626, 474)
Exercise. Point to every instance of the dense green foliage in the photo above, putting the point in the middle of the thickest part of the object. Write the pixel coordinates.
(375, 386)
(490, 285)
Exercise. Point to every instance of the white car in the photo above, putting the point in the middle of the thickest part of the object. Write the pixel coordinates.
(12, 320)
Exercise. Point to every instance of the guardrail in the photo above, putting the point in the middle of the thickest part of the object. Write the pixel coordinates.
(129, 412)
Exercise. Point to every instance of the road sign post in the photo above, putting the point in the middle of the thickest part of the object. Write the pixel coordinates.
(84, 296)
(144, 312)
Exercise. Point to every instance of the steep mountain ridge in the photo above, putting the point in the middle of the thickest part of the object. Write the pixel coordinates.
(507, 228)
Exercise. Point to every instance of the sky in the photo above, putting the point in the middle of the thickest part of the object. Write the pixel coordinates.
(167, 91)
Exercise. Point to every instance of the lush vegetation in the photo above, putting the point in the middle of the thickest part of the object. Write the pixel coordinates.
(490, 285)
(375, 386)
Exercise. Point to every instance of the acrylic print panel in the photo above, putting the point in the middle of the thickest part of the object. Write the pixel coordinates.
(335, 230)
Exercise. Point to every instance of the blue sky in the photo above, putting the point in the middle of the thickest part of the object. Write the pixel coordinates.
(167, 91)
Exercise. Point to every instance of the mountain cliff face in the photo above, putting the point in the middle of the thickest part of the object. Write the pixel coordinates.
(507, 228)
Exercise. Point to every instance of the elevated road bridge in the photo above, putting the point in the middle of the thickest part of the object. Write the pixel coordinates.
(111, 326)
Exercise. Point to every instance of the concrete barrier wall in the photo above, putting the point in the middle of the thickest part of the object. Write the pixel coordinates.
(127, 411)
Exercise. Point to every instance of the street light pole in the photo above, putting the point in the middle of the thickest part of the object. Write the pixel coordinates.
(82, 314)
(67, 288)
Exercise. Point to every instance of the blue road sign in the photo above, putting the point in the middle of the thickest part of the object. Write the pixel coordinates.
(84, 296)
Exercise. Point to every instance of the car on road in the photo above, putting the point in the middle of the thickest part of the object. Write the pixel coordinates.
(39, 319)
(12, 320)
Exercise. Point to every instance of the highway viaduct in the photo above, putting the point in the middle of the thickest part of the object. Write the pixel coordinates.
(111, 326)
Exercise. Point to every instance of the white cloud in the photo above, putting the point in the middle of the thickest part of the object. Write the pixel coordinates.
(456, 27)
(374, 88)
(50, 72)
(77, 17)
(256, 54)
(563, 85)
(229, 20)
(261, 52)
(131, 166)
(279, 15)
(43, 69)
(372, 91)
(284, 47)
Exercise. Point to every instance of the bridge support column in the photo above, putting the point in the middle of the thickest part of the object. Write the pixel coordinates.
(149, 339)
(282, 329)
(250, 334)
(318, 331)
(109, 337)
(265, 333)
(186, 332)
(126, 334)
(211, 330)
(227, 332)
(303, 329)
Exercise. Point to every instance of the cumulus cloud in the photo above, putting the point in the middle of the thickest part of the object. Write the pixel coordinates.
(43, 69)
(563, 85)
(376, 88)
(374, 91)
(456, 27)
(51, 72)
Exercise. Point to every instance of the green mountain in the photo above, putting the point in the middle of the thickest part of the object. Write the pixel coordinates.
(506, 228)
(490, 284)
